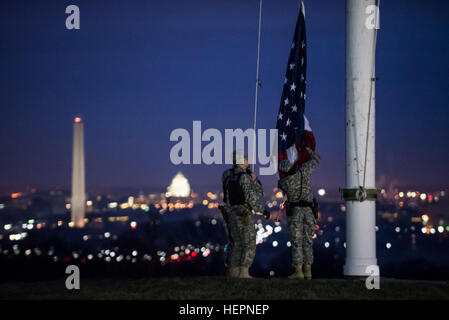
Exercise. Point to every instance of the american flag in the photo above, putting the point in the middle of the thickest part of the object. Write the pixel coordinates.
(294, 132)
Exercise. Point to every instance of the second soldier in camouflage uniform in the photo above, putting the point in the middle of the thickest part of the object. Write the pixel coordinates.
(300, 218)
(242, 196)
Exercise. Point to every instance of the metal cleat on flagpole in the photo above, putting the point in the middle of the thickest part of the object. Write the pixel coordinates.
(359, 194)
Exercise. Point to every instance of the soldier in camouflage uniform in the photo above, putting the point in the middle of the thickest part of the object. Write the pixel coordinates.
(301, 219)
(242, 193)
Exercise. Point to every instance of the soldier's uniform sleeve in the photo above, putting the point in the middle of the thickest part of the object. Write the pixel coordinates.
(313, 162)
(223, 179)
(224, 175)
(281, 185)
(258, 187)
(252, 198)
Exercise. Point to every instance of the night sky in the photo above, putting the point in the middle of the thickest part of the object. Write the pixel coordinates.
(136, 70)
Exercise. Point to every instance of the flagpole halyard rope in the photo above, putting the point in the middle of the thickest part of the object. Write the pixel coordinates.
(257, 84)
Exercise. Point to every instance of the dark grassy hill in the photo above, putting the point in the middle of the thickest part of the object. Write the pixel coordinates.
(224, 288)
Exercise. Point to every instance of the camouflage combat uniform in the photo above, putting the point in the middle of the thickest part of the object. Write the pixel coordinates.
(301, 224)
(241, 248)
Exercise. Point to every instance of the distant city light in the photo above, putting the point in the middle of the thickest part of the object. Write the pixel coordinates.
(397, 229)
(388, 245)
(212, 196)
(440, 229)
(275, 243)
(206, 253)
(327, 244)
(424, 230)
(16, 195)
(432, 230)
(133, 224)
(425, 218)
(78, 119)
(289, 244)
(112, 205)
(321, 192)
(423, 196)
(15, 236)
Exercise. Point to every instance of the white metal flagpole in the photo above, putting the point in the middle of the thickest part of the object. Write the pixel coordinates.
(360, 148)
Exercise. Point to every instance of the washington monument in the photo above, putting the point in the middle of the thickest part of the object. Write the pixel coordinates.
(78, 178)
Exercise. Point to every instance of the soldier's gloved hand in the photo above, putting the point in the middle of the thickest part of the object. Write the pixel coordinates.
(266, 214)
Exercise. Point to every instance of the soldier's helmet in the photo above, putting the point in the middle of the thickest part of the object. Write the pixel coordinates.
(285, 166)
(238, 157)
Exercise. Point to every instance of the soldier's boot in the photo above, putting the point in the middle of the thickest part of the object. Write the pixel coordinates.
(298, 274)
(233, 272)
(244, 274)
(308, 271)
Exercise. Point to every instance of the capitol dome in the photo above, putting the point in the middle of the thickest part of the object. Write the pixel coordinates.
(179, 187)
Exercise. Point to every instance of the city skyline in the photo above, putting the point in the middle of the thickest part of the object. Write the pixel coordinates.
(144, 78)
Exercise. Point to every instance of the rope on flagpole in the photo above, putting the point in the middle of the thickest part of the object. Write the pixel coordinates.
(257, 85)
(373, 80)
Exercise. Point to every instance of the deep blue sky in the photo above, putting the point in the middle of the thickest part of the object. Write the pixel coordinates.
(139, 69)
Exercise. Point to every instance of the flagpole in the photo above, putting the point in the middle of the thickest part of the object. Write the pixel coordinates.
(257, 86)
(360, 199)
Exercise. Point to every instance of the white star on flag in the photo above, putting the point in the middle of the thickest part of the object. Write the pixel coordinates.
(283, 136)
(280, 116)
(293, 87)
(286, 102)
(295, 108)
(292, 65)
(288, 122)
